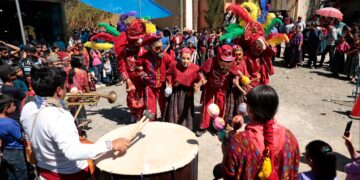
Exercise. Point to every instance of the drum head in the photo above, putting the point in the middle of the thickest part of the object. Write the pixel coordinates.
(161, 147)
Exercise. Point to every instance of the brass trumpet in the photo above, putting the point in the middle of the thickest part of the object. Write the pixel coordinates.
(75, 99)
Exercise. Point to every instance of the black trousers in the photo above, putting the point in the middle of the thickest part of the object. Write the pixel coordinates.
(329, 49)
(313, 52)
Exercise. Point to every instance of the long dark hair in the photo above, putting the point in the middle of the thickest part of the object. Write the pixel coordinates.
(264, 101)
(323, 159)
(76, 62)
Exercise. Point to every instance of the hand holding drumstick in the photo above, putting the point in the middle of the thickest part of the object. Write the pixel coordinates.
(120, 145)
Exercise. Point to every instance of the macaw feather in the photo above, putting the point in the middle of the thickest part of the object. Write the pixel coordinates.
(109, 29)
(271, 25)
(233, 31)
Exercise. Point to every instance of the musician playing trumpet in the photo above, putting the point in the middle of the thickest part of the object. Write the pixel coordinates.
(53, 134)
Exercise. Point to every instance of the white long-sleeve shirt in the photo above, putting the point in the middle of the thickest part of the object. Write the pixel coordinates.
(55, 140)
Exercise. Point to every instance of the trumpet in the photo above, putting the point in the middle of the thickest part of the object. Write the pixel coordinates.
(75, 99)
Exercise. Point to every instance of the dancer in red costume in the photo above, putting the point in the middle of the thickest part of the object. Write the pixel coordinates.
(239, 88)
(155, 63)
(258, 60)
(181, 78)
(217, 76)
(129, 69)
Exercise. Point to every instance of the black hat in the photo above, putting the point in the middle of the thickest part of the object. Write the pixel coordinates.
(6, 71)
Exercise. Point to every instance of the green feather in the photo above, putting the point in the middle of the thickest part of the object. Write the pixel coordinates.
(109, 29)
(271, 25)
(232, 31)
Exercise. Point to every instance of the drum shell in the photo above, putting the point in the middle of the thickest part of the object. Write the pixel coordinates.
(188, 172)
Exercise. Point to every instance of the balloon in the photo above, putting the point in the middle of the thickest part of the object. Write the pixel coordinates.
(219, 123)
(213, 110)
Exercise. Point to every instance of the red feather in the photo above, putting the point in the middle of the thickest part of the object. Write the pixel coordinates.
(103, 36)
(241, 12)
(120, 43)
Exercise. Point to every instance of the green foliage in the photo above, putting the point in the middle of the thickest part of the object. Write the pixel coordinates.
(79, 15)
(214, 14)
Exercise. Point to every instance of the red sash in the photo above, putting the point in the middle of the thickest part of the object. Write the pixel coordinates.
(49, 175)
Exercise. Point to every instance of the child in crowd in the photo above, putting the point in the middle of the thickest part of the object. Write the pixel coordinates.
(19, 82)
(338, 64)
(10, 134)
(107, 72)
(321, 159)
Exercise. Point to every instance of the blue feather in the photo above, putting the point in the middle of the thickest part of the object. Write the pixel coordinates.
(264, 11)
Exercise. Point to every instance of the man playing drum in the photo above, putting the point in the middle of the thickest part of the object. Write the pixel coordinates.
(52, 131)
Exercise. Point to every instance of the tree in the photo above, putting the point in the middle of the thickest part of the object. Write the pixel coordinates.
(79, 15)
(214, 14)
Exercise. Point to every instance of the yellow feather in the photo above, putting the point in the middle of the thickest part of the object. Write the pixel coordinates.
(277, 39)
(98, 46)
(254, 9)
(150, 28)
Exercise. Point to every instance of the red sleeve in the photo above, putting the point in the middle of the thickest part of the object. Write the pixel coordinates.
(207, 66)
(122, 66)
(170, 73)
(232, 161)
(168, 59)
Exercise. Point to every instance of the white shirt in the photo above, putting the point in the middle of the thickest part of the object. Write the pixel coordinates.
(55, 140)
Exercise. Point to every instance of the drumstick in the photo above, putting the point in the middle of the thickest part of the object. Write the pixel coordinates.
(138, 127)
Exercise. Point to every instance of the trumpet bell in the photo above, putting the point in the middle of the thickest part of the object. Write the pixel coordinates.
(112, 97)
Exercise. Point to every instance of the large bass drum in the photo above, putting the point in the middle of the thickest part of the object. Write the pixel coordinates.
(163, 151)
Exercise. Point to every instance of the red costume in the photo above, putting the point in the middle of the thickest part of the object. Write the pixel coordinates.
(258, 55)
(218, 83)
(181, 76)
(128, 50)
(260, 67)
(129, 69)
(155, 65)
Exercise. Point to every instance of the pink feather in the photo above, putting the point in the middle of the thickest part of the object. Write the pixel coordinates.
(241, 12)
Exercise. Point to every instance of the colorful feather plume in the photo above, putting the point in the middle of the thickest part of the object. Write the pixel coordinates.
(252, 8)
(241, 12)
(109, 29)
(264, 10)
(232, 31)
(271, 25)
(276, 39)
(121, 25)
(103, 36)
